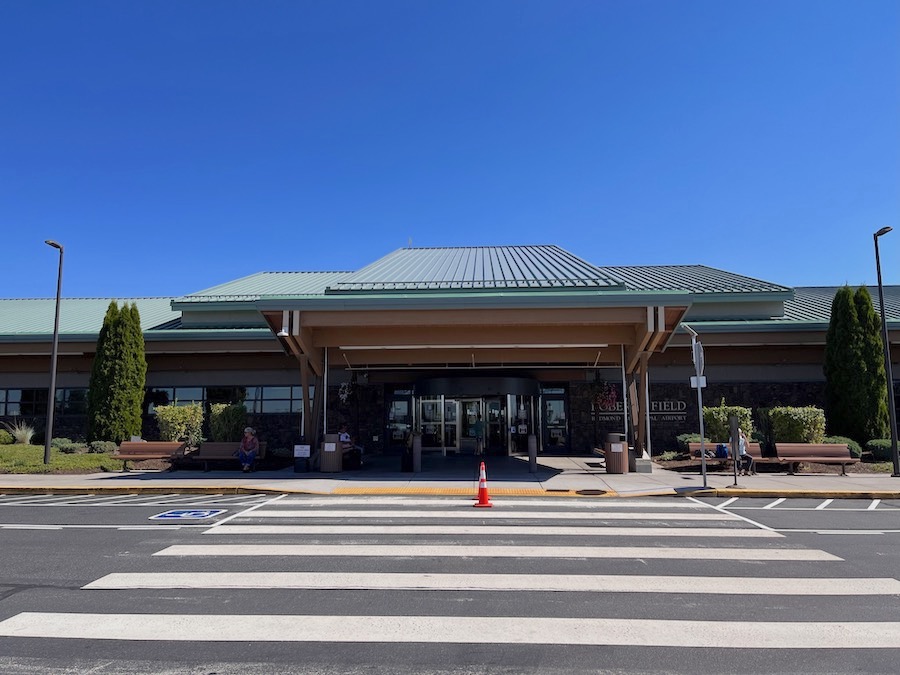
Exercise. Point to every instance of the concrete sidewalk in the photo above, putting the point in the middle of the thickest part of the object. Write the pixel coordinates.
(555, 476)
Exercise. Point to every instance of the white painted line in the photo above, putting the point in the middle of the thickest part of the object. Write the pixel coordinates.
(795, 508)
(244, 512)
(824, 505)
(874, 504)
(727, 502)
(499, 630)
(439, 551)
(194, 499)
(508, 501)
(775, 503)
(470, 513)
(20, 526)
(26, 500)
(153, 500)
(736, 515)
(521, 530)
(574, 583)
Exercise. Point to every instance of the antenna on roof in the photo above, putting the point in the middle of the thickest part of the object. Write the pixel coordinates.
(409, 243)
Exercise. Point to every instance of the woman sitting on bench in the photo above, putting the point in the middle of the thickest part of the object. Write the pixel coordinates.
(248, 449)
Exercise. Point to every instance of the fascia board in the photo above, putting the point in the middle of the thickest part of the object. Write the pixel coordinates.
(477, 301)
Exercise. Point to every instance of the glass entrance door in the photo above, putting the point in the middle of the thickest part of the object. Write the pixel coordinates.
(555, 421)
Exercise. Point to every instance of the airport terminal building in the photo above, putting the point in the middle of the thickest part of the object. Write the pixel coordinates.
(541, 344)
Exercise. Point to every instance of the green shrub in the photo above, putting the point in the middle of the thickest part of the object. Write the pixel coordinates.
(22, 433)
(180, 423)
(880, 449)
(5, 437)
(684, 439)
(100, 447)
(227, 421)
(798, 425)
(670, 455)
(852, 446)
(72, 448)
(59, 442)
(715, 421)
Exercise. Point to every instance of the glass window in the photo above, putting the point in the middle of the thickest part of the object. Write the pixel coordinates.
(14, 395)
(185, 395)
(270, 393)
(277, 406)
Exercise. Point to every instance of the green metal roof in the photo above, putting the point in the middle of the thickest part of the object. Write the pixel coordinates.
(266, 284)
(696, 279)
(478, 267)
(77, 316)
(813, 303)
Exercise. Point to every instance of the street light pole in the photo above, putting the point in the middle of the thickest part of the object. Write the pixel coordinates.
(697, 356)
(51, 399)
(892, 410)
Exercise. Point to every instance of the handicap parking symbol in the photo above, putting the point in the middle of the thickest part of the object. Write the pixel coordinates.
(187, 514)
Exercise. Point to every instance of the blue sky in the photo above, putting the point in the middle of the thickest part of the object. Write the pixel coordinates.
(175, 145)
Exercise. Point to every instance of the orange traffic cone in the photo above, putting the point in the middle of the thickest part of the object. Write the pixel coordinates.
(484, 499)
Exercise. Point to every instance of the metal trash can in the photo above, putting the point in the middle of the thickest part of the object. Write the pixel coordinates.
(616, 451)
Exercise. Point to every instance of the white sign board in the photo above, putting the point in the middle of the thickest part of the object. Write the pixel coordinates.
(330, 447)
(301, 451)
(695, 379)
(617, 447)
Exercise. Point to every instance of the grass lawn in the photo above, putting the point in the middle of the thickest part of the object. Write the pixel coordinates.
(30, 459)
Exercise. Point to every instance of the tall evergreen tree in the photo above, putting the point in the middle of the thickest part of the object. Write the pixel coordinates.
(876, 403)
(118, 374)
(845, 369)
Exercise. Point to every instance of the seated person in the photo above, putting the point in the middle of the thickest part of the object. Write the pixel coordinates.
(352, 453)
(248, 449)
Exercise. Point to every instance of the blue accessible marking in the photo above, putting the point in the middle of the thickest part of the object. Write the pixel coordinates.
(187, 514)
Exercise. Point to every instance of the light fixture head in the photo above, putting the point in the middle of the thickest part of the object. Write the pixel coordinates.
(54, 244)
(883, 230)
(283, 333)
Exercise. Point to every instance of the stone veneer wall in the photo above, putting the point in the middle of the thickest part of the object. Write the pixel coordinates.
(674, 408)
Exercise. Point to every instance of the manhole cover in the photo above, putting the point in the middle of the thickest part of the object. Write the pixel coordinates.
(590, 492)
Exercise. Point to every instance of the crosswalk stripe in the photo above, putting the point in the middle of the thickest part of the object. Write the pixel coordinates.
(577, 583)
(457, 630)
(523, 552)
(522, 530)
(492, 514)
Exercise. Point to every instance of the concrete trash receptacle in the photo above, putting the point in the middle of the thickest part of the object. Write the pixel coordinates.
(616, 451)
(332, 456)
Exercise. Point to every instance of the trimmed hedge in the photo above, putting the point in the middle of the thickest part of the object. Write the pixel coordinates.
(6, 437)
(715, 421)
(683, 439)
(852, 446)
(798, 425)
(180, 423)
(227, 422)
(880, 449)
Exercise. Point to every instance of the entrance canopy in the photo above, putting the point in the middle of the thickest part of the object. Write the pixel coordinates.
(493, 307)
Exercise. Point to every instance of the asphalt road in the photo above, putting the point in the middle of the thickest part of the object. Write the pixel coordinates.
(368, 585)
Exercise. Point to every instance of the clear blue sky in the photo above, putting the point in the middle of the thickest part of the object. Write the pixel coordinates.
(174, 145)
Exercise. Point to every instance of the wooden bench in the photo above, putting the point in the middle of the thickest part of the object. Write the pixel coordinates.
(217, 451)
(753, 449)
(135, 451)
(793, 454)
